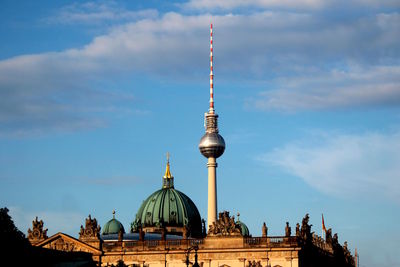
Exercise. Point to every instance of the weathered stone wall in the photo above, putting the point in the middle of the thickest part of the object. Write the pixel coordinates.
(212, 252)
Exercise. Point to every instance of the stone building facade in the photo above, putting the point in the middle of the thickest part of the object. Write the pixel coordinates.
(226, 246)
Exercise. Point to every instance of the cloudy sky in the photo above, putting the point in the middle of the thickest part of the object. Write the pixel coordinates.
(94, 94)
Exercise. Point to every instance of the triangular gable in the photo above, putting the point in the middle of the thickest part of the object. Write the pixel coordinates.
(64, 242)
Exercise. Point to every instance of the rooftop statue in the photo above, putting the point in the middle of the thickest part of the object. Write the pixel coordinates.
(91, 229)
(264, 230)
(305, 228)
(298, 230)
(37, 233)
(288, 230)
(225, 225)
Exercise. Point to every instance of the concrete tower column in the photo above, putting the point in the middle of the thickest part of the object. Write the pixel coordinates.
(212, 191)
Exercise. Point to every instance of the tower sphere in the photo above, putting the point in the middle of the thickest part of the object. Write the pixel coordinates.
(212, 145)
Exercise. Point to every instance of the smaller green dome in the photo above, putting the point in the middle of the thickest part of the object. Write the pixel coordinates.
(113, 226)
(244, 230)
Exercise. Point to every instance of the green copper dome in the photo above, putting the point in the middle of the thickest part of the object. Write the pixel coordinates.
(170, 209)
(243, 228)
(113, 226)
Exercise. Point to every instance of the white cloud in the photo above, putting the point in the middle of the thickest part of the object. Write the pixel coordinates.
(382, 3)
(98, 12)
(378, 85)
(365, 165)
(291, 4)
(52, 92)
(64, 90)
(231, 4)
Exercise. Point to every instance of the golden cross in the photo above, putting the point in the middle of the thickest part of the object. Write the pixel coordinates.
(168, 157)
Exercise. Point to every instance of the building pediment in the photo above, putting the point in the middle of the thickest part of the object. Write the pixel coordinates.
(64, 242)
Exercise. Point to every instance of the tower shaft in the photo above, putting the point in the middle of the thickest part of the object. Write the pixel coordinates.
(212, 191)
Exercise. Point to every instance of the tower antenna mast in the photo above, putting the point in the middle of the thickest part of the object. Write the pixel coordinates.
(211, 110)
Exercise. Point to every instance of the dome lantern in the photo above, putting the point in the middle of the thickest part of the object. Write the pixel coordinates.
(168, 179)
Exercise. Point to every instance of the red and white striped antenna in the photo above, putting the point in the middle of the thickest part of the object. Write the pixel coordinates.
(211, 110)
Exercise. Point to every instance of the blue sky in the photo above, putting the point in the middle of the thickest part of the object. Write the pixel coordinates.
(93, 95)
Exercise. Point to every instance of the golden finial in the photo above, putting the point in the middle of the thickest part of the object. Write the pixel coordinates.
(113, 213)
(167, 170)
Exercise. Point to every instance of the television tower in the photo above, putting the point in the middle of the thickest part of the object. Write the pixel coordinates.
(211, 145)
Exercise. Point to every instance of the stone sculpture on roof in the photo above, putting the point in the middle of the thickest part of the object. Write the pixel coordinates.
(225, 225)
(264, 230)
(37, 233)
(305, 231)
(288, 230)
(91, 229)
